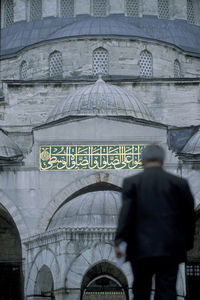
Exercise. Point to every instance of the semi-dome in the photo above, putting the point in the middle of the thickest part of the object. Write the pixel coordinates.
(193, 145)
(98, 209)
(101, 99)
(8, 149)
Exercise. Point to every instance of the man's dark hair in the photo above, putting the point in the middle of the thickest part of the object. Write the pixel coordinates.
(153, 153)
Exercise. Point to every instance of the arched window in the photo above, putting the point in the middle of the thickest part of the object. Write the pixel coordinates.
(190, 12)
(177, 69)
(8, 12)
(146, 65)
(35, 10)
(99, 8)
(100, 61)
(163, 9)
(132, 8)
(55, 65)
(67, 8)
(23, 70)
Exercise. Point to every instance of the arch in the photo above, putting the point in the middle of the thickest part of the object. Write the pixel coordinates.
(190, 12)
(100, 61)
(132, 8)
(163, 9)
(44, 257)
(8, 12)
(15, 214)
(35, 10)
(55, 65)
(11, 277)
(100, 252)
(177, 69)
(100, 8)
(67, 8)
(44, 284)
(73, 189)
(104, 277)
(23, 70)
(146, 64)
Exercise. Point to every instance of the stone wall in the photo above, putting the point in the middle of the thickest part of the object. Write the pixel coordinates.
(124, 58)
(178, 8)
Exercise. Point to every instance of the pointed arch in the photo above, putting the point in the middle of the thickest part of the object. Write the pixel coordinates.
(100, 61)
(55, 65)
(146, 64)
(177, 69)
(44, 283)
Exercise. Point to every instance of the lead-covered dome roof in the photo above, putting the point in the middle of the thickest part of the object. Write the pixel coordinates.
(92, 210)
(9, 151)
(173, 32)
(193, 145)
(100, 99)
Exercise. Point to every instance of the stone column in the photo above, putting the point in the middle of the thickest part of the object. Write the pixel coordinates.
(117, 7)
(179, 9)
(49, 8)
(150, 7)
(19, 10)
(82, 7)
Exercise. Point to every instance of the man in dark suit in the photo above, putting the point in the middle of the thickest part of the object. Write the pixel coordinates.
(157, 222)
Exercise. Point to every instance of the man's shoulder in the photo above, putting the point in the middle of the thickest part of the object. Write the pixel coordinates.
(175, 178)
(133, 178)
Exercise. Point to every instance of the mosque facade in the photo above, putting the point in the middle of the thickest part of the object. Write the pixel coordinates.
(85, 85)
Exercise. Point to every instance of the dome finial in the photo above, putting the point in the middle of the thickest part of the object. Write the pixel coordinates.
(100, 74)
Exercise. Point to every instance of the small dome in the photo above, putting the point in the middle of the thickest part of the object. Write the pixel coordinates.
(101, 99)
(8, 149)
(193, 145)
(92, 210)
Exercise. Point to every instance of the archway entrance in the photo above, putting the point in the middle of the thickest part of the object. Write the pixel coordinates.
(44, 285)
(104, 282)
(11, 277)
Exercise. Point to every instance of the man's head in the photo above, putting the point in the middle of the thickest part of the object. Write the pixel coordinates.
(153, 155)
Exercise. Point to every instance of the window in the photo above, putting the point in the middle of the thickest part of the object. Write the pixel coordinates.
(100, 61)
(193, 270)
(67, 8)
(23, 70)
(190, 12)
(99, 8)
(8, 12)
(163, 9)
(55, 65)
(35, 10)
(146, 67)
(177, 69)
(132, 8)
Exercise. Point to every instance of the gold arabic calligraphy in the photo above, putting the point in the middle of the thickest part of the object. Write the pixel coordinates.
(90, 157)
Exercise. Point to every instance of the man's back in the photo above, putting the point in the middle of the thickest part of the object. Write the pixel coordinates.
(159, 215)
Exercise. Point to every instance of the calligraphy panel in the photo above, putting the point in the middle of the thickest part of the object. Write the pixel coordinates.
(90, 157)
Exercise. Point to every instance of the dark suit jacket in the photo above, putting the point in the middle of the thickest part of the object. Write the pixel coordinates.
(157, 216)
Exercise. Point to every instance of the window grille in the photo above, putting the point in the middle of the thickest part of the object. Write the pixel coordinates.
(146, 67)
(163, 9)
(132, 8)
(177, 69)
(23, 70)
(190, 12)
(100, 61)
(55, 65)
(67, 8)
(35, 10)
(193, 270)
(99, 8)
(8, 12)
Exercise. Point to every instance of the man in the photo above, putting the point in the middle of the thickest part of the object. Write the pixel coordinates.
(157, 222)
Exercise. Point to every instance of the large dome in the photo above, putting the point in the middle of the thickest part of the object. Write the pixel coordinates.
(193, 145)
(101, 99)
(94, 210)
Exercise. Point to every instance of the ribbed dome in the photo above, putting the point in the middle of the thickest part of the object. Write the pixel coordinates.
(8, 149)
(193, 145)
(101, 99)
(91, 210)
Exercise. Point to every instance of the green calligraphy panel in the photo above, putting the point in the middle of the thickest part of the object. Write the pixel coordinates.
(90, 157)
